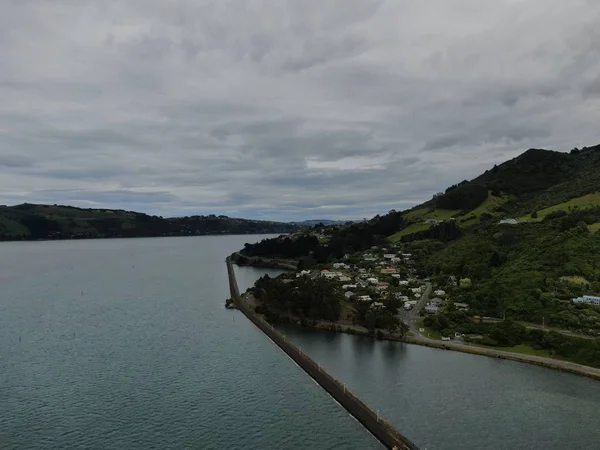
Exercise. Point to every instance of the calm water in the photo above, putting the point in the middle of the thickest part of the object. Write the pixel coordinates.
(125, 344)
(147, 357)
(450, 400)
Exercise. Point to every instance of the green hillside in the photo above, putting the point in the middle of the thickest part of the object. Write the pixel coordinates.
(29, 221)
(583, 202)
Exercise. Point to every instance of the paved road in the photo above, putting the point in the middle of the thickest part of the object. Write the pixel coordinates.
(410, 317)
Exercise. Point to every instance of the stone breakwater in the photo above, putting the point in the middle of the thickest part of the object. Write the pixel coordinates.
(382, 430)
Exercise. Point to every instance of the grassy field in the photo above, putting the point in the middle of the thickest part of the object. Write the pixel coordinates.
(488, 206)
(414, 228)
(430, 333)
(595, 227)
(423, 214)
(523, 349)
(575, 279)
(582, 202)
(9, 227)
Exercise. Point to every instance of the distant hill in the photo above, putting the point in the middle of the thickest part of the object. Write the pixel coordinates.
(326, 222)
(30, 222)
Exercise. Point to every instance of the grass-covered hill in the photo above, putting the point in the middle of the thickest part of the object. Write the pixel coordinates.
(30, 222)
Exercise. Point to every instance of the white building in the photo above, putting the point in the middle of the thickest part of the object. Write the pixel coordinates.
(372, 280)
(347, 287)
(364, 298)
(327, 274)
(440, 293)
(588, 300)
(344, 279)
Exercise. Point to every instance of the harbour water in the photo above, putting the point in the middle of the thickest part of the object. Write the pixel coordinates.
(125, 344)
(118, 344)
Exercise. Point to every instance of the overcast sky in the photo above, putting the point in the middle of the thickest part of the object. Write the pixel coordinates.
(284, 109)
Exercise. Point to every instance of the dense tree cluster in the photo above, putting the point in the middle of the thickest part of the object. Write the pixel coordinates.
(464, 197)
(302, 297)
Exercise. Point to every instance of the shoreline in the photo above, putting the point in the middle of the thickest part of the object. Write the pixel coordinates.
(555, 364)
(357, 330)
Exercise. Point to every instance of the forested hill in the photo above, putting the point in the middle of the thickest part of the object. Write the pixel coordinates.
(526, 233)
(31, 222)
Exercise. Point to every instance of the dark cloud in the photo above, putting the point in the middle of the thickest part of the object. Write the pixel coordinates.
(285, 110)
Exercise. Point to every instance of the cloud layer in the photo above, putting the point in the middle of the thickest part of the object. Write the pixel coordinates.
(285, 109)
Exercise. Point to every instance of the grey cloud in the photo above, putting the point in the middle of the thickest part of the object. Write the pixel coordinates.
(15, 161)
(284, 110)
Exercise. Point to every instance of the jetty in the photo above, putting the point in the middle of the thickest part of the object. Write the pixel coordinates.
(389, 436)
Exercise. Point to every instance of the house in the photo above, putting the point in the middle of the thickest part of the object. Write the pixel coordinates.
(361, 270)
(377, 305)
(303, 273)
(437, 302)
(327, 274)
(364, 298)
(344, 278)
(462, 306)
(389, 256)
(388, 270)
(401, 297)
(382, 286)
(348, 294)
(416, 290)
(508, 222)
(433, 221)
(372, 280)
(440, 293)
(431, 309)
(403, 283)
(349, 286)
(341, 266)
(406, 255)
(452, 281)
(396, 275)
(588, 300)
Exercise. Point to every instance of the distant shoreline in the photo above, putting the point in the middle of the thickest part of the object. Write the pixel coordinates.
(97, 238)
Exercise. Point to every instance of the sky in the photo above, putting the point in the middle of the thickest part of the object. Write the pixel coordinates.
(285, 109)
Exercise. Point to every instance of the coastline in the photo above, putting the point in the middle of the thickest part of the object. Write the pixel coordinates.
(556, 364)
(550, 363)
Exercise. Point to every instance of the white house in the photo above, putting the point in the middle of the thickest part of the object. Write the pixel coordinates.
(348, 294)
(349, 286)
(396, 275)
(440, 293)
(403, 283)
(344, 278)
(431, 309)
(389, 256)
(327, 274)
(588, 300)
(372, 280)
(508, 222)
(364, 298)
(377, 305)
(462, 306)
(303, 273)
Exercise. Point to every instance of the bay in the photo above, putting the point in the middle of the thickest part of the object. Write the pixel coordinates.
(444, 400)
(125, 344)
